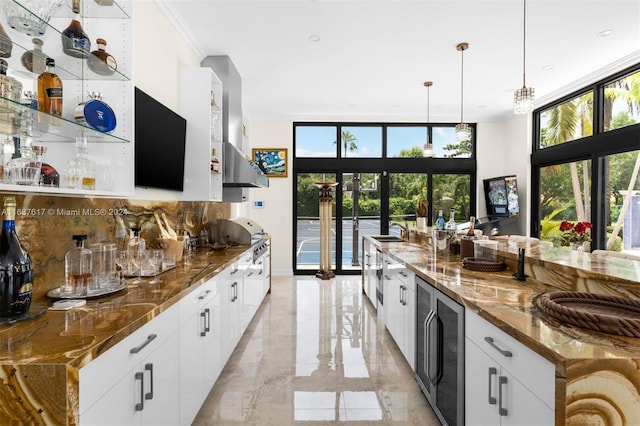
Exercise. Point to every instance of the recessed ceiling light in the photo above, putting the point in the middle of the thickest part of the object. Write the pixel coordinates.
(547, 67)
(605, 33)
(314, 38)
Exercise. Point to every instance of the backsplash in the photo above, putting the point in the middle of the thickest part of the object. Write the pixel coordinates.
(45, 225)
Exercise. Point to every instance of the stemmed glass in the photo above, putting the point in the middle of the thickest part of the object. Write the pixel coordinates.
(156, 257)
(123, 261)
(139, 258)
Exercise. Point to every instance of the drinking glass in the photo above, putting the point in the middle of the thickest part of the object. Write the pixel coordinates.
(139, 258)
(156, 257)
(123, 261)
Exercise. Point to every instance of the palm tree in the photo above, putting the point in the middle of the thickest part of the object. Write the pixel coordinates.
(348, 142)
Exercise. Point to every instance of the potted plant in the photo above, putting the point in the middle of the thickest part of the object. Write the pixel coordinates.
(576, 235)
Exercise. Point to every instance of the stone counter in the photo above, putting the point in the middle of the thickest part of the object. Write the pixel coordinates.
(597, 375)
(40, 357)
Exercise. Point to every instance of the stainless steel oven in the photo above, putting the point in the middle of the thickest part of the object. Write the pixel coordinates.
(440, 352)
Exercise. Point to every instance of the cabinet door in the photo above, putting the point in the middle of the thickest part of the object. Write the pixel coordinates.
(481, 393)
(409, 324)
(162, 386)
(520, 406)
(393, 318)
(147, 395)
(212, 356)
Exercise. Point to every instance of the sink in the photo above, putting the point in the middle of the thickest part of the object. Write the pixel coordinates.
(387, 238)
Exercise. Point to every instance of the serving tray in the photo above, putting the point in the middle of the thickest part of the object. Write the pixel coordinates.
(482, 265)
(598, 312)
(55, 293)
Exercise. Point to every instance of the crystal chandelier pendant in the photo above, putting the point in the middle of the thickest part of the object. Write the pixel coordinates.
(523, 100)
(463, 132)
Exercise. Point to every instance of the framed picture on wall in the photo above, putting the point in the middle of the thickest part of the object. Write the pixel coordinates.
(271, 160)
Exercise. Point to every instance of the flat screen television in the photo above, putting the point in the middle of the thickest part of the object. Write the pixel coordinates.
(159, 144)
(501, 196)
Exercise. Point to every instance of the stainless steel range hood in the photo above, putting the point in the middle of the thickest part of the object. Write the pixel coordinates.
(240, 172)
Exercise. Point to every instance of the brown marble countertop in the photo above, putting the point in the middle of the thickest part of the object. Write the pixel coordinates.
(509, 304)
(77, 336)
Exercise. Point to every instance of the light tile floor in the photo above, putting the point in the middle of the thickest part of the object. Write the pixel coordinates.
(316, 354)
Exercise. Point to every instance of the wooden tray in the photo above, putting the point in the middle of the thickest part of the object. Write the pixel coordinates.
(599, 312)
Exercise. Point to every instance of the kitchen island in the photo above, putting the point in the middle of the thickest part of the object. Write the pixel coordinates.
(41, 359)
(597, 375)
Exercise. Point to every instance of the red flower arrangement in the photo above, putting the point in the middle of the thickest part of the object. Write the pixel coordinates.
(575, 233)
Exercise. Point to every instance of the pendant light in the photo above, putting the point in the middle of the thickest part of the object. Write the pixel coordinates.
(463, 131)
(523, 97)
(428, 146)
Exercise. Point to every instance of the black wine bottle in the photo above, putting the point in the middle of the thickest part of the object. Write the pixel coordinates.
(16, 269)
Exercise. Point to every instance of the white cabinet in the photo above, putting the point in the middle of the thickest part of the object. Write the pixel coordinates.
(506, 383)
(113, 153)
(201, 106)
(400, 306)
(231, 315)
(200, 338)
(369, 277)
(136, 381)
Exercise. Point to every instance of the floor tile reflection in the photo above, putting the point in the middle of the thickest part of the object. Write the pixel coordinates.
(316, 353)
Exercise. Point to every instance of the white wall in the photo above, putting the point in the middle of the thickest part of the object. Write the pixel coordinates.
(160, 51)
(504, 148)
(277, 215)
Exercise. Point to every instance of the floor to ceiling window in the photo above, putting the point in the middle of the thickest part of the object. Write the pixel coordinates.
(383, 174)
(586, 163)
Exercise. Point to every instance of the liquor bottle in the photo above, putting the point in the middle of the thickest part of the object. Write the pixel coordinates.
(75, 41)
(100, 61)
(16, 269)
(10, 88)
(440, 223)
(35, 60)
(471, 230)
(49, 176)
(81, 168)
(50, 90)
(215, 163)
(78, 264)
(451, 224)
(5, 44)
(95, 113)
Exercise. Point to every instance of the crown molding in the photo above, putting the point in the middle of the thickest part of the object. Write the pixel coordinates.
(167, 9)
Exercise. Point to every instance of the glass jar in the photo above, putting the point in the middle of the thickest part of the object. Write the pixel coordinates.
(78, 264)
(10, 88)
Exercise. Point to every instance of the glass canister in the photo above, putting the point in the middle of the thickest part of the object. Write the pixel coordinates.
(10, 88)
(104, 266)
(81, 171)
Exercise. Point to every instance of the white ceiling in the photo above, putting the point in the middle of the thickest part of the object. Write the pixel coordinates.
(373, 57)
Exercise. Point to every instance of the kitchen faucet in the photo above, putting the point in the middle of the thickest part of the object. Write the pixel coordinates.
(404, 229)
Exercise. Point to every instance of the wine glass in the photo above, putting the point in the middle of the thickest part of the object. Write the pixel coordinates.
(139, 258)
(123, 261)
(156, 257)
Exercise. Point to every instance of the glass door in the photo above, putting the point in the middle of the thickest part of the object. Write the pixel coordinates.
(360, 207)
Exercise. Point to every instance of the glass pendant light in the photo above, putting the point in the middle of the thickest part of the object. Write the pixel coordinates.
(523, 97)
(463, 131)
(428, 146)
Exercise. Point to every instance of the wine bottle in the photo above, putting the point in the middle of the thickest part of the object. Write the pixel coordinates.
(16, 269)
(451, 224)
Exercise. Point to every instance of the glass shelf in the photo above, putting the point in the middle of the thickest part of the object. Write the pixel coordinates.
(50, 128)
(67, 67)
(54, 190)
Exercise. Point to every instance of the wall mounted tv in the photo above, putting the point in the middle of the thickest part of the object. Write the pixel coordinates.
(159, 144)
(501, 196)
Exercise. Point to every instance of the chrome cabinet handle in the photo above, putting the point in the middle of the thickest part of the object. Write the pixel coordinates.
(387, 277)
(207, 324)
(504, 352)
(203, 315)
(140, 405)
(143, 344)
(430, 318)
(249, 274)
(492, 372)
(502, 380)
(149, 367)
(404, 274)
(203, 295)
(234, 271)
